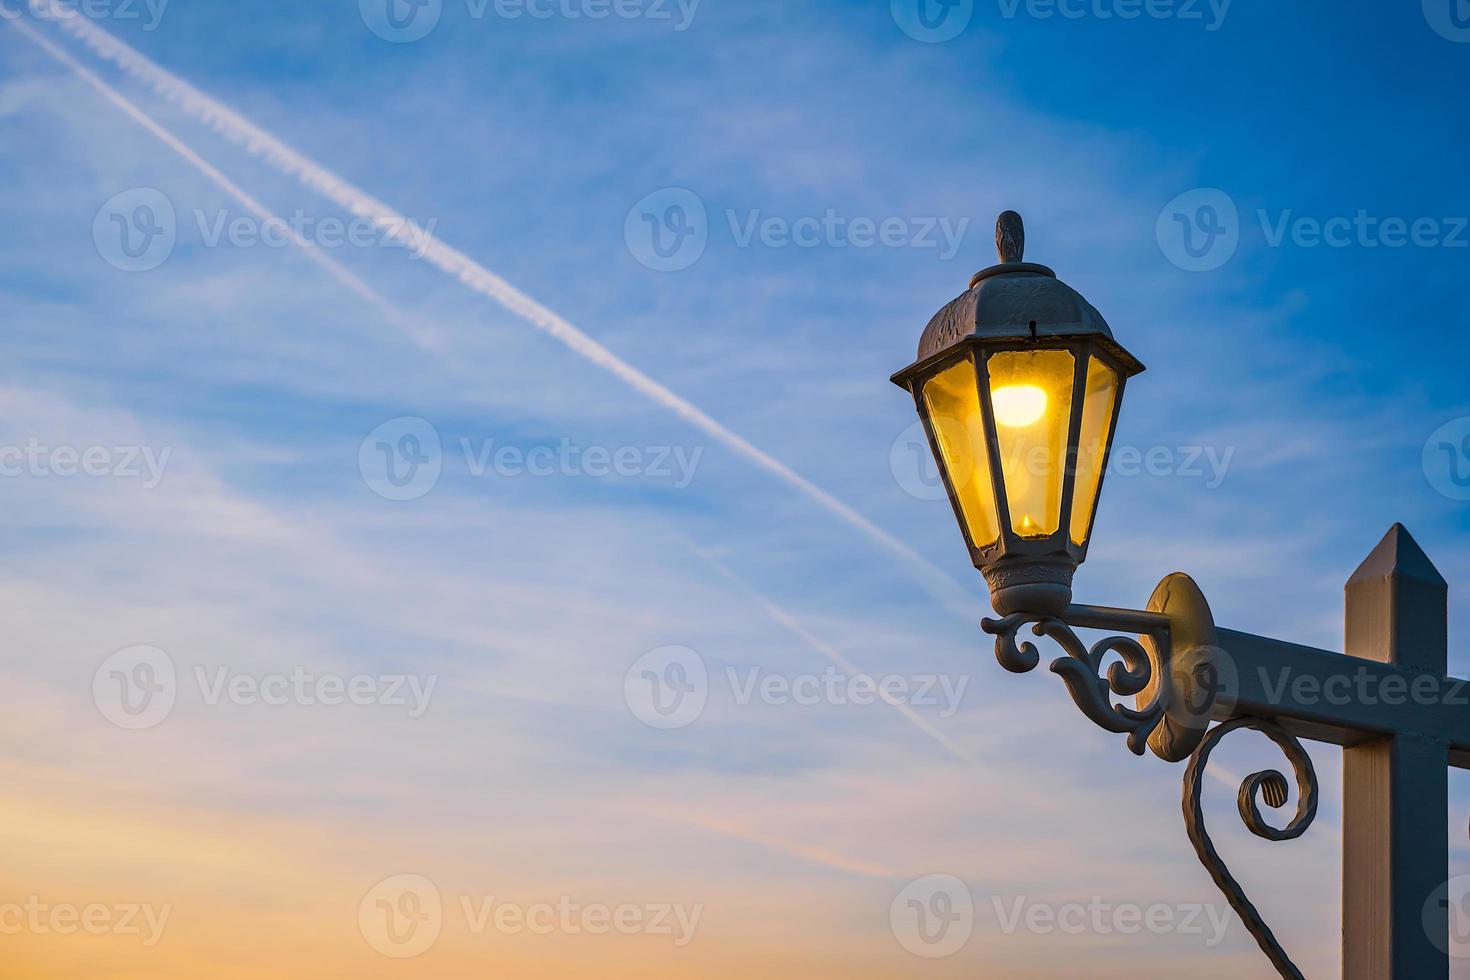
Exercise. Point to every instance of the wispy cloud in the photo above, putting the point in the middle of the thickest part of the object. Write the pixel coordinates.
(476, 277)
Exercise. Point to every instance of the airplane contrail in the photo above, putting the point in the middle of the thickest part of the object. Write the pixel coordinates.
(423, 338)
(794, 625)
(474, 276)
(816, 854)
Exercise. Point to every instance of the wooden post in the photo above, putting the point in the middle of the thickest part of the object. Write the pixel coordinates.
(1395, 840)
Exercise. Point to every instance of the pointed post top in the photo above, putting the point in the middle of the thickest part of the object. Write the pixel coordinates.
(1398, 606)
(1398, 556)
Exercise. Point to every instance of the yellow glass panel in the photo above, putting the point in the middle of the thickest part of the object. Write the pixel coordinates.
(1092, 444)
(1031, 392)
(953, 401)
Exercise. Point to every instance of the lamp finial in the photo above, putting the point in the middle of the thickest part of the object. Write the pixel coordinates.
(1010, 236)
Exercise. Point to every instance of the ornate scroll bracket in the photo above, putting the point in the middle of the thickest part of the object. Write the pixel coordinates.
(1170, 670)
(1081, 671)
(1270, 786)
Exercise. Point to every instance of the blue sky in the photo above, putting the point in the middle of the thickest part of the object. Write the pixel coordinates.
(1293, 387)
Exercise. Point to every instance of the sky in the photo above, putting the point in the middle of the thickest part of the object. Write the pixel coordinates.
(456, 513)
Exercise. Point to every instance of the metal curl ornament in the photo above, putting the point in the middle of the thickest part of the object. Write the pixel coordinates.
(1081, 670)
(1270, 786)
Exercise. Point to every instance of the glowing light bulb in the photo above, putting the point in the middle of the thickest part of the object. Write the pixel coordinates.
(1017, 406)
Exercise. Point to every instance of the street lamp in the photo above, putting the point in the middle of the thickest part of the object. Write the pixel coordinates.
(1019, 383)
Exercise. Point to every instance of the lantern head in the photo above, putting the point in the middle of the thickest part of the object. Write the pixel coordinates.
(1018, 382)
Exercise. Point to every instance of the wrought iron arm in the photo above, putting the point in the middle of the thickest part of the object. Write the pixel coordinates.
(1268, 785)
(1081, 671)
(1169, 665)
